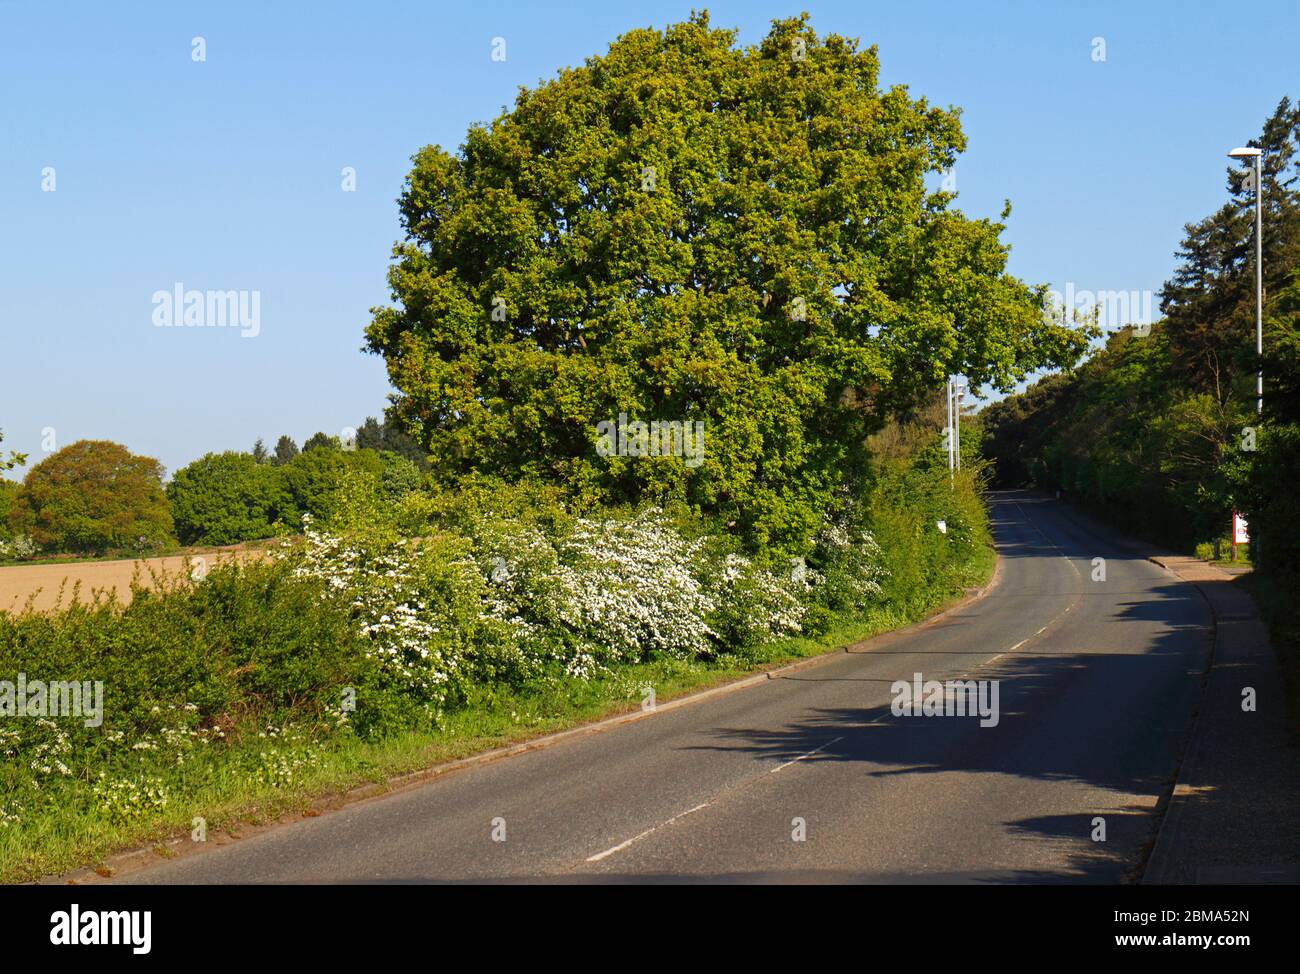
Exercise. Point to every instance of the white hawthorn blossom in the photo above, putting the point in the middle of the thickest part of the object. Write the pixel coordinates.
(604, 591)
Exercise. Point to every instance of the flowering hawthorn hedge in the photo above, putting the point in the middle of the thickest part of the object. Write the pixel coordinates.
(393, 614)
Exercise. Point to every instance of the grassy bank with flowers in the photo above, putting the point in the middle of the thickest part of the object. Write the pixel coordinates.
(400, 635)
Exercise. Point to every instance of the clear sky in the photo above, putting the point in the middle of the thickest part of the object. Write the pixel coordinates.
(226, 174)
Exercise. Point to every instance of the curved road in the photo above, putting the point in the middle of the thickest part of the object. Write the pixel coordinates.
(1098, 681)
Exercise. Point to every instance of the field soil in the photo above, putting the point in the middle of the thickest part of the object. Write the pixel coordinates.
(18, 583)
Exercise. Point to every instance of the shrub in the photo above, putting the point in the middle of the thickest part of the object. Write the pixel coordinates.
(848, 561)
(416, 604)
(19, 548)
(904, 506)
(188, 671)
(613, 589)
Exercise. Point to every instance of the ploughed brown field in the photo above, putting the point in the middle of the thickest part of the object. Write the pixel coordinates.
(19, 582)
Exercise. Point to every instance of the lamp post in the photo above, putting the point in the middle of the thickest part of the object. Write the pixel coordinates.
(1247, 152)
(949, 431)
(959, 393)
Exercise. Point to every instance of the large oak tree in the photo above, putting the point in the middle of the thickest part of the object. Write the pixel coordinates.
(686, 229)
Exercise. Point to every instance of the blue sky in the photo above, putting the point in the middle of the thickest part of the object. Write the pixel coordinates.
(225, 174)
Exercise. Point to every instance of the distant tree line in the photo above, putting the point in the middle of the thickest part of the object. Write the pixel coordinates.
(1158, 431)
(95, 496)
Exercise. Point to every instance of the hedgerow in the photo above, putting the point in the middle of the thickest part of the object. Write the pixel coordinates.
(389, 617)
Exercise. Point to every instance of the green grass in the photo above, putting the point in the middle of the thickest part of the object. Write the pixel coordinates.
(1205, 552)
(228, 796)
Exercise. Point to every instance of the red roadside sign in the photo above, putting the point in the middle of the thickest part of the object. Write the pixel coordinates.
(1239, 532)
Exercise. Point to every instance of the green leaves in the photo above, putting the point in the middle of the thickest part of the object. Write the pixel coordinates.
(687, 230)
(94, 496)
(225, 498)
(1160, 434)
(1209, 302)
(11, 461)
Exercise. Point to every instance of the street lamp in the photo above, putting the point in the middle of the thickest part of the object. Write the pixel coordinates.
(1246, 152)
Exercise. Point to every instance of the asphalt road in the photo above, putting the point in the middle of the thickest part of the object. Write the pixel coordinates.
(1098, 681)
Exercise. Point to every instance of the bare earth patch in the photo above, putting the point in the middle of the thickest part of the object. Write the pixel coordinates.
(19, 582)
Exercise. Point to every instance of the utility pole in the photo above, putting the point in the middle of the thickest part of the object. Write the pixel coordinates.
(951, 437)
(959, 393)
